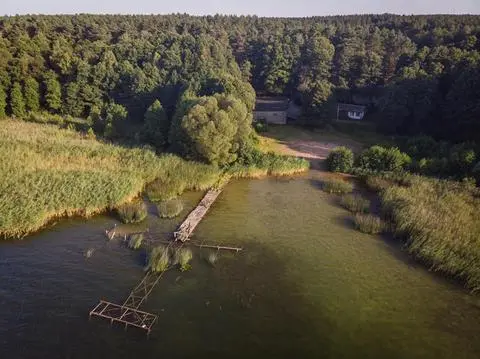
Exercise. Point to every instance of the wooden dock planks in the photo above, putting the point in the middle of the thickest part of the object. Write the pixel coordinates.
(186, 229)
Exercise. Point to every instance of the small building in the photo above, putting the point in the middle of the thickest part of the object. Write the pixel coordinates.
(347, 111)
(271, 110)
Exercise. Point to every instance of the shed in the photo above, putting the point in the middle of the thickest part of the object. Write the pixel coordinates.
(271, 110)
(351, 111)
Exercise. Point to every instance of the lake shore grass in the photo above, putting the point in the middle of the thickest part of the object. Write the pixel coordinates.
(439, 221)
(49, 173)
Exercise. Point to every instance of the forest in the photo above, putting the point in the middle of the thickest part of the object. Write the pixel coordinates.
(137, 78)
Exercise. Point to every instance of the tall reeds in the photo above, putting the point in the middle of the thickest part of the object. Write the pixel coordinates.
(133, 212)
(337, 186)
(440, 221)
(355, 203)
(49, 172)
(170, 209)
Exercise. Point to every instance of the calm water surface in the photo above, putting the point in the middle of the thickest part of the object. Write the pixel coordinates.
(307, 286)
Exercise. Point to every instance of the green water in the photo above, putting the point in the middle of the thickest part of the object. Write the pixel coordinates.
(307, 285)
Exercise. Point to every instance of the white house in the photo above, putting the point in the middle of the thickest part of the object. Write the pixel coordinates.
(351, 112)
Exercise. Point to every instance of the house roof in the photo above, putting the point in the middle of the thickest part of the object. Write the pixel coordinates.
(351, 107)
(271, 104)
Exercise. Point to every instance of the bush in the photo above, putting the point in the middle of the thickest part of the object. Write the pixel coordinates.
(135, 241)
(462, 159)
(170, 209)
(260, 126)
(378, 159)
(134, 212)
(368, 223)
(337, 186)
(355, 203)
(340, 159)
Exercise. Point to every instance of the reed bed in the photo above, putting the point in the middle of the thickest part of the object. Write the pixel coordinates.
(170, 209)
(182, 257)
(440, 222)
(369, 223)
(135, 241)
(355, 203)
(133, 212)
(49, 173)
(337, 186)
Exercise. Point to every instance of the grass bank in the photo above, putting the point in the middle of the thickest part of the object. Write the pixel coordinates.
(49, 173)
(439, 220)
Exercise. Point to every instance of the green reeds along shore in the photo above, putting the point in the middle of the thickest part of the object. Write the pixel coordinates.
(355, 203)
(337, 186)
(440, 222)
(49, 173)
(133, 212)
(170, 209)
(369, 223)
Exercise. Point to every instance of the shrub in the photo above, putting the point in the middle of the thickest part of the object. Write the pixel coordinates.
(337, 186)
(135, 241)
(462, 159)
(260, 126)
(368, 223)
(340, 159)
(170, 209)
(159, 259)
(355, 203)
(134, 212)
(378, 159)
(421, 147)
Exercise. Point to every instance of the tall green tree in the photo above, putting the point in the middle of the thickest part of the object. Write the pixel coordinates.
(17, 102)
(216, 128)
(53, 91)
(32, 94)
(156, 126)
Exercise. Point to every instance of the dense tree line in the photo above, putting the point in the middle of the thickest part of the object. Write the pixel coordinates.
(141, 76)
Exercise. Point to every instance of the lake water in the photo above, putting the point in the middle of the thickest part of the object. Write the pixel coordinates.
(307, 285)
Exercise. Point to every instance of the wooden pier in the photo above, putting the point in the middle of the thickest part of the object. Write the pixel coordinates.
(128, 313)
(186, 229)
(124, 315)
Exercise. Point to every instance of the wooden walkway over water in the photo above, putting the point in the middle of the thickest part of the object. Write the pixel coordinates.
(128, 313)
(186, 229)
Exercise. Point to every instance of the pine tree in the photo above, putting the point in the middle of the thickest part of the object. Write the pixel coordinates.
(17, 102)
(53, 91)
(32, 94)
